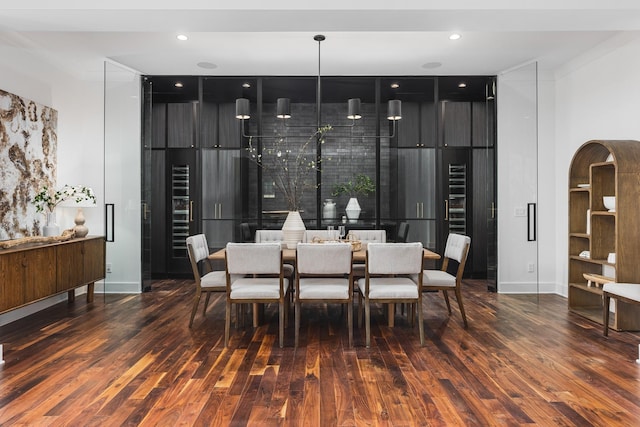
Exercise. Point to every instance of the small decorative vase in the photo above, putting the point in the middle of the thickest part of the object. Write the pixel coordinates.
(293, 229)
(51, 228)
(329, 210)
(353, 210)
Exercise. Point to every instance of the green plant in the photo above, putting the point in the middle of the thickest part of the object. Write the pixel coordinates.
(361, 185)
(49, 199)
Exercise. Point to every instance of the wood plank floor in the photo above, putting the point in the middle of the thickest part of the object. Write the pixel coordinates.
(132, 360)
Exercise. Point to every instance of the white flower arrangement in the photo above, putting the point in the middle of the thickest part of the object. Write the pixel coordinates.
(47, 199)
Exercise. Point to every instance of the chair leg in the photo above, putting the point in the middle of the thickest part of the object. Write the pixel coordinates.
(359, 310)
(605, 313)
(281, 322)
(297, 321)
(227, 323)
(446, 299)
(367, 322)
(206, 303)
(196, 300)
(420, 321)
(350, 321)
(459, 298)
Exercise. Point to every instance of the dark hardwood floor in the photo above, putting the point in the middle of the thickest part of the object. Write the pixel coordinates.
(132, 360)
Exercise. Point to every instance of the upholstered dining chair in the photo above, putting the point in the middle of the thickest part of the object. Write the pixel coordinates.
(274, 236)
(263, 281)
(456, 249)
(366, 237)
(210, 281)
(393, 274)
(323, 274)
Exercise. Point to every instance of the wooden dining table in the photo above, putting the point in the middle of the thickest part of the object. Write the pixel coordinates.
(289, 256)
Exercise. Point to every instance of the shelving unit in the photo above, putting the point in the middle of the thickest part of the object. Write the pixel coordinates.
(457, 200)
(604, 168)
(181, 209)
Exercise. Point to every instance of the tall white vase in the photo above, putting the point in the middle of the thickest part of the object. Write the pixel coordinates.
(353, 210)
(293, 229)
(51, 228)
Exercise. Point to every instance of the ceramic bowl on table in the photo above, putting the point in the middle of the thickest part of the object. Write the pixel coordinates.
(609, 203)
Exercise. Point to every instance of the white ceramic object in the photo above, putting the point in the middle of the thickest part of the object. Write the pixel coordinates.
(293, 229)
(51, 228)
(611, 258)
(329, 210)
(353, 210)
(609, 203)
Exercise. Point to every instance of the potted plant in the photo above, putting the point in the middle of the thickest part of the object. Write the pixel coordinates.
(361, 184)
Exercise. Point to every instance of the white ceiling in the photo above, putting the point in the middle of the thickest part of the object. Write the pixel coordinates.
(363, 37)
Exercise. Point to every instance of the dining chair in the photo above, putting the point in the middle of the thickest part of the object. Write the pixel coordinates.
(393, 274)
(263, 280)
(365, 237)
(456, 249)
(210, 281)
(323, 274)
(275, 236)
(403, 232)
(311, 235)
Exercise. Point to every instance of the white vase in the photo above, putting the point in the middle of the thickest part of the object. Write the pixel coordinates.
(329, 210)
(51, 228)
(353, 209)
(293, 229)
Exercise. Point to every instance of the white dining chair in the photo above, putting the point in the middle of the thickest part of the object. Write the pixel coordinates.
(365, 237)
(263, 281)
(393, 274)
(456, 249)
(210, 280)
(323, 274)
(275, 236)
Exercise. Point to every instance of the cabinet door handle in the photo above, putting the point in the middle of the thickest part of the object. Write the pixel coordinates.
(446, 210)
(190, 210)
(417, 209)
(421, 209)
(145, 209)
(531, 222)
(493, 210)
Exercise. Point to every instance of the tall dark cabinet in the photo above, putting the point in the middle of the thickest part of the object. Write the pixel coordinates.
(434, 168)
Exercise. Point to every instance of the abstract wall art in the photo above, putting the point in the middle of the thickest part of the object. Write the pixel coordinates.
(28, 145)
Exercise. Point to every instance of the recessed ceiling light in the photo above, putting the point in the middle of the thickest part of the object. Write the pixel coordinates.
(395, 85)
(207, 65)
(178, 84)
(246, 85)
(430, 65)
(462, 84)
(454, 36)
(182, 37)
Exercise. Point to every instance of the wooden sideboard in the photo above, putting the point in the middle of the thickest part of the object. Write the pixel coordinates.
(32, 272)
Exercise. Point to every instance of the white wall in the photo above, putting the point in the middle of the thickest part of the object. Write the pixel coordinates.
(79, 102)
(597, 97)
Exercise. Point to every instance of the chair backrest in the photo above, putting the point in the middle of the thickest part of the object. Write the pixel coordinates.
(457, 249)
(369, 236)
(265, 236)
(246, 232)
(197, 247)
(309, 235)
(324, 258)
(394, 258)
(403, 232)
(254, 258)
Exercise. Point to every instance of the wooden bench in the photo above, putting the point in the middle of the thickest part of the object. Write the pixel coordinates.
(627, 292)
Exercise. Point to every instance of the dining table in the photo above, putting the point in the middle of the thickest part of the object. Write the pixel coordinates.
(289, 256)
